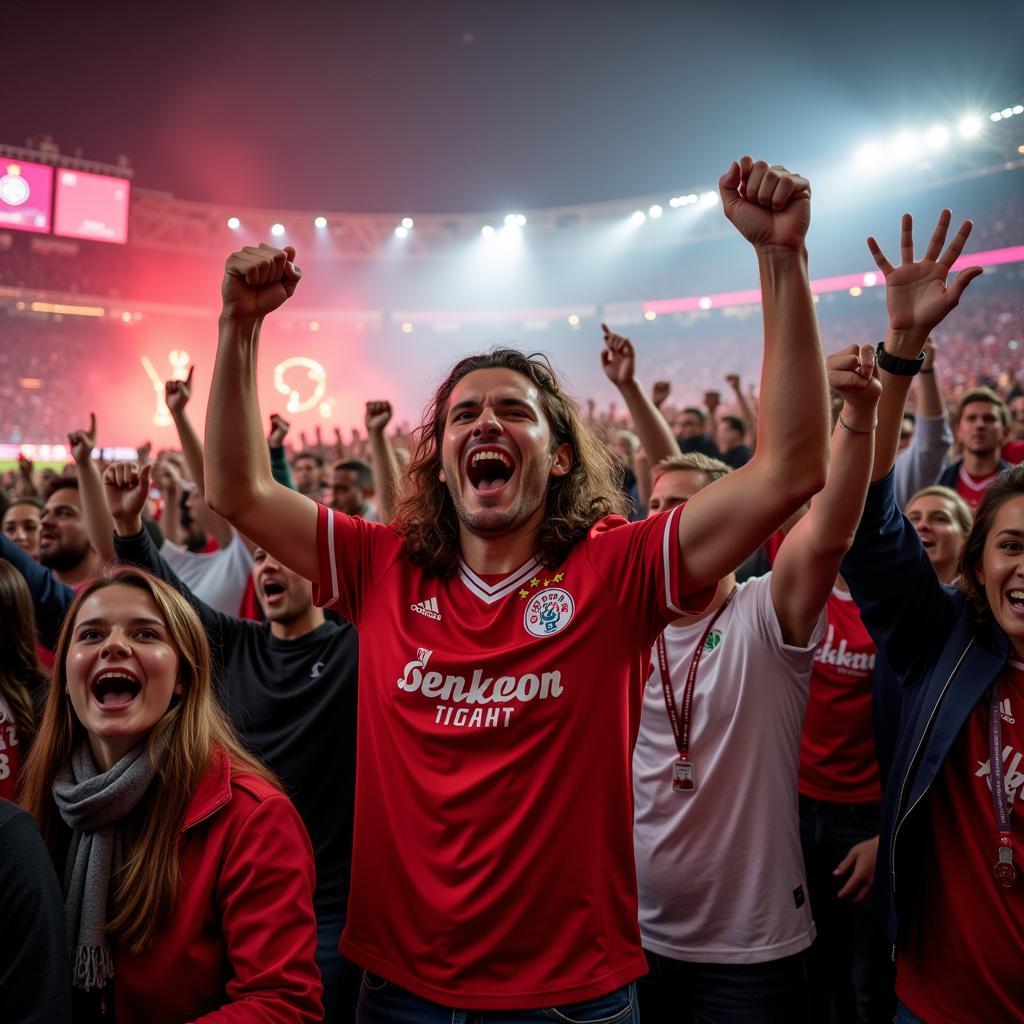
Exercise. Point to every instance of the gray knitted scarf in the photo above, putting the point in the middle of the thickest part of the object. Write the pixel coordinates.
(93, 804)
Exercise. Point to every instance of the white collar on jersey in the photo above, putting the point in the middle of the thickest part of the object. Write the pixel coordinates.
(489, 593)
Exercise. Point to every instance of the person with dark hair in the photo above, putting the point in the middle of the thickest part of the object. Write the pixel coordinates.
(508, 616)
(951, 845)
(64, 544)
(22, 680)
(351, 484)
(21, 523)
(308, 474)
(981, 427)
(188, 877)
(731, 441)
(691, 436)
(35, 976)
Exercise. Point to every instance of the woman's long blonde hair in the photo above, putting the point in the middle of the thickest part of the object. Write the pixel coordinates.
(192, 729)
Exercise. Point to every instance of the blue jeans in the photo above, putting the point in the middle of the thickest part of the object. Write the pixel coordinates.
(339, 975)
(383, 1002)
(851, 974)
(684, 992)
(905, 1016)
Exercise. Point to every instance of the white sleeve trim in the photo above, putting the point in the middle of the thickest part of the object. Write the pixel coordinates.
(670, 536)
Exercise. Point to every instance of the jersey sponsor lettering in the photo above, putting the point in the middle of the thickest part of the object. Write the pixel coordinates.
(841, 657)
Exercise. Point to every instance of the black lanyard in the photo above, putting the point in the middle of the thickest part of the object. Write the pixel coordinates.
(683, 780)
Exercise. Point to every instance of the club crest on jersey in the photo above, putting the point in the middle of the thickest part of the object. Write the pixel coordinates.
(548, 612)
(713, 640)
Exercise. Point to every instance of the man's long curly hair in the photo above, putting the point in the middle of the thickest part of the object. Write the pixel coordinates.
(426, 515)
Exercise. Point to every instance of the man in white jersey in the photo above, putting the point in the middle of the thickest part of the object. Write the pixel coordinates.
(507, 620)
(723, 905)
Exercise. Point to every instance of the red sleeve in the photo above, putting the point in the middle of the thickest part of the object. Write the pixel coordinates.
(353, 554)
(265, 899)
(642, 564)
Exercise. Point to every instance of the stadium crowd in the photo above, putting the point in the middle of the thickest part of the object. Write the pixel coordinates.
(685, 711)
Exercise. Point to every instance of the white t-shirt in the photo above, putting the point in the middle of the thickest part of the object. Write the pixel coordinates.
(720, 870)
(218, 578)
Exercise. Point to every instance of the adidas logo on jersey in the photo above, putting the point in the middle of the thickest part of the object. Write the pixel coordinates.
(1005, 713)
(428, 608)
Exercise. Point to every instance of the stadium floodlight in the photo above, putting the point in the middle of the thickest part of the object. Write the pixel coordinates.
(407, 223)
(638, 217)
(906, 146)
(704, 302)
(996, 116)
(401, 231)
(937, 136)
(574, 320)
(970, 126)
(320, 222)
(512, 220)
(870, 279)
(649, 314)
(520, 220)
(1007, 111)
(277, 230)
(1018, 108)
(487, 231)
(708, 198)
(675, 202)
(654, 212)
(871, 156)
(234, 223)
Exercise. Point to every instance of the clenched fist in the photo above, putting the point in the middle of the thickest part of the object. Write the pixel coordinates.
(378, 416)
(279, 428)
(257, 279)
(126, 487)
(178, 392)
(770, 206)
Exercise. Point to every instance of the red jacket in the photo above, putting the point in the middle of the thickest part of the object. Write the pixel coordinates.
(240, 944)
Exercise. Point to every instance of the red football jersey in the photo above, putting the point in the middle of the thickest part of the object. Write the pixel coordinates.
(493, 857)
(10, 753)
(961, 962)
(972, 488)
(838, 759)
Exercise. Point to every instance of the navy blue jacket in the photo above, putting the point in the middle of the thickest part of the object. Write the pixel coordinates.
(50, 597)
(944, 663)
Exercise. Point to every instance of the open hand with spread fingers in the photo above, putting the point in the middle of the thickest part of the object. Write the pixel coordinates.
(82, 442)
(916, 293)
(770, 206)
(618, 359)
(258, 279)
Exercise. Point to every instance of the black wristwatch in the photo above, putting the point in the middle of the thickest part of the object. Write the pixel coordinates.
(896, 365)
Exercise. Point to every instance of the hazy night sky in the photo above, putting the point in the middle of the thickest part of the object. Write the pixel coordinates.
(461, 106)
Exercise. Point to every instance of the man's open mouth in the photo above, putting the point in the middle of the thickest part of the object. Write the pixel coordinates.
(115, 689)
(489, 469)
(272, 591)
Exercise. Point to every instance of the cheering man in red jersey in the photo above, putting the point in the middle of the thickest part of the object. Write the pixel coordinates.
(508, 616)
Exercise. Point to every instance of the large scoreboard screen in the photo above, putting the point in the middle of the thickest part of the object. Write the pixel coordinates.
(25, 191)
(92, 206)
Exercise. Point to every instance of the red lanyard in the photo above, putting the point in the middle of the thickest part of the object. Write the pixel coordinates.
(1004, 869)
(683, 779)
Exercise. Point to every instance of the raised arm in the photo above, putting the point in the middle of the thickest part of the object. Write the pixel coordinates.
(90, 486)
(771, 208)
(239, 484)
(808, 561)
(279, 467)
(922, 461)
(176, 395)
(126, 486)
(384, 461)
(618, 360)
(746, 409)
(918, 300)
